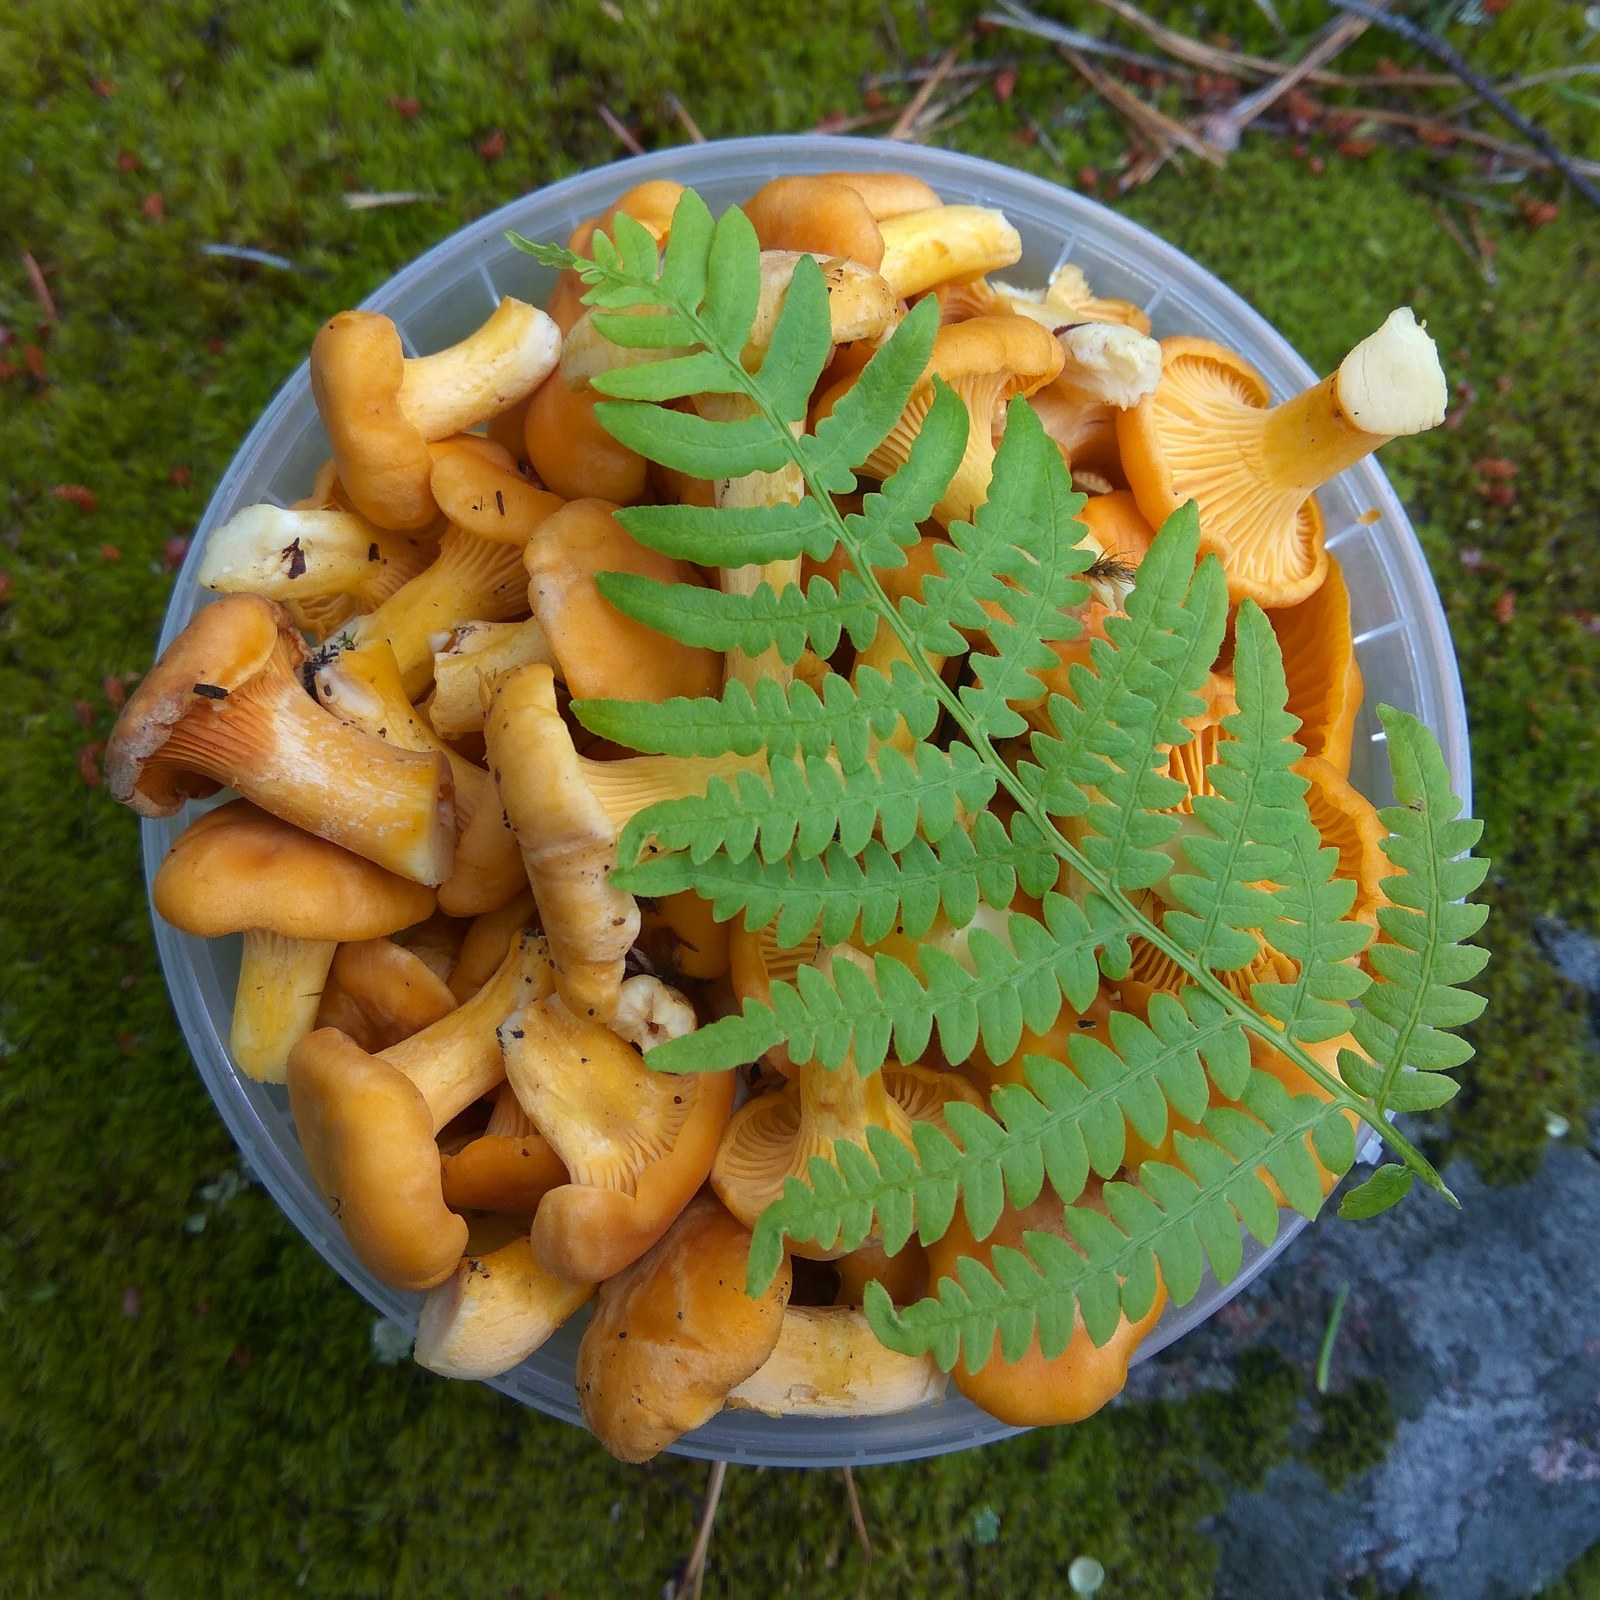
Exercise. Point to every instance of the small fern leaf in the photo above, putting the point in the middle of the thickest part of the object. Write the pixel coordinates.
(800, 345)
(887, 524)
(734, 536)
(1416, 996)
(1010, 573)
(804, 805)
(786, 620)
(872, 405)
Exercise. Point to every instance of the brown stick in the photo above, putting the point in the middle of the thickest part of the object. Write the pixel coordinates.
(623, 136)
(1154, 125)
(41, 289)
(1485, 141)
(685, 121)
(1224, 127)
(694, 1573)
(906, 121)
(856, 1516)
(1447, 55)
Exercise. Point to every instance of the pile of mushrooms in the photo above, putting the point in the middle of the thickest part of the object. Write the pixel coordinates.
(418, 855)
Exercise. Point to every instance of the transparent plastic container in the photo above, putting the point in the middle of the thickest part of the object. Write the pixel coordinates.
(1401, 641)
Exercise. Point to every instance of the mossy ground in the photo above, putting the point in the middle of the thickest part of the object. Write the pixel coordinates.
(189, 1401)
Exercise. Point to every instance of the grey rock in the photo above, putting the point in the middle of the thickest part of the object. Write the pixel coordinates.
(1484, 1324)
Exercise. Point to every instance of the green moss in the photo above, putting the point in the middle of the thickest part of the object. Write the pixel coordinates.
(198, 1412)
(1581, 1581)
(1355, 1427)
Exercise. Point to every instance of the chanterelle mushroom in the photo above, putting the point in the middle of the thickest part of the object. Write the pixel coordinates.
(294, 897)
(1209, 433)
(828, 1363)
(368, 1123)
(674, 1333)
(492, 1312)
(225, 705)
(636, 1143)
(1032, 1390)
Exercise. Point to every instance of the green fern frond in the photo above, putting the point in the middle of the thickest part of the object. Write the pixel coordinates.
(1171, 1225)
(786, 620)
(834, 830)
(863, 897)
(804, 804)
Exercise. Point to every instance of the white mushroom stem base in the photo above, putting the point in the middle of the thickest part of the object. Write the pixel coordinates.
(494, 1311)
(828, 1363)
(275, 1006)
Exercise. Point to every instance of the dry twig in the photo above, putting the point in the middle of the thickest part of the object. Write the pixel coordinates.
(1447, 55)
(360, 200)
(619, 130)
(1223, 128)
(693, 1577)
(41, 289)
(1449, 130)
(1154, 127)
(685, 121)
(906, 121)
(856, 1515)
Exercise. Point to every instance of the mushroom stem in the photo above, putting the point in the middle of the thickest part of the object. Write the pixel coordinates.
(922, 248)
(828, 1363)
(280, 987)
(312, 554)
(786, 486)
(471, 580)
(491, 369)
(625, 787)
(364, 687)
(458, 1059)
(492, 1312)
(1390, 384)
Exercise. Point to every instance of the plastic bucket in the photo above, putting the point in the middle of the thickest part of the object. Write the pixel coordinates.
(1402, 643)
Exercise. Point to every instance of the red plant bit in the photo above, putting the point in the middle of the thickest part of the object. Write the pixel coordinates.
(239, 1357)
(1316, 166)
(75, 494)
(1589, 621)
(1356, 149)
(1302, 110)
(215, 347)
(154, 205)
(404, 106)
(9, 370)
(874, 100)
(103, 87)
(6, 336)
(126, 1044)
(1495, 467)
(33, 359)
(83, 710)
(5, 587)
(1005, 84)
(132, 1301)
(1389, 69)
(127, 161)
(493, 147)
(110, 552)
(89, 762)
(173, 552)
(1497, 494)
(1027, 136)
(1493, 8)
(1504, 383)
(1539, 213)
(1435, 136)
(1089, 179)
(115, 691)
(179, 476)
(1505, 608)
